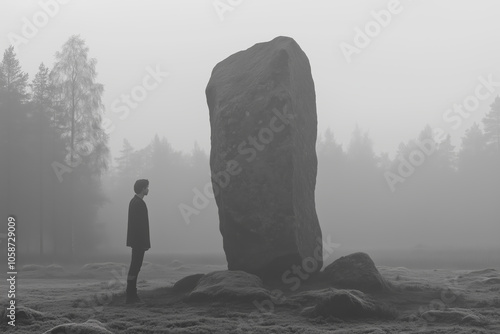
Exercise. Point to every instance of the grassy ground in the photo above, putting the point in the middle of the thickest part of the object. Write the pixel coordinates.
(424, 301)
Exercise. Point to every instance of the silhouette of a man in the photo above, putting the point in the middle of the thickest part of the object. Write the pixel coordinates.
(137, 237)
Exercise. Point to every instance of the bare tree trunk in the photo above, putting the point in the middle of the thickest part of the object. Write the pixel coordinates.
(72, 183)
(54, 194)
(40, 190)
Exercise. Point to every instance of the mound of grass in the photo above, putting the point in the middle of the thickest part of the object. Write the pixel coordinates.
(32, 267)
(88, 327)
(24, 315)
(175, 264)
(483, 272)
(492, 280)
(229, 285)
(342, 304)
(104, 266)
(458, 316)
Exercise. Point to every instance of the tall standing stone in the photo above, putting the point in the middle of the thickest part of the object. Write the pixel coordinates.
(263, 160)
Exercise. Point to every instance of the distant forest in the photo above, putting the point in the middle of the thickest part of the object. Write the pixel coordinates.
(71, 199)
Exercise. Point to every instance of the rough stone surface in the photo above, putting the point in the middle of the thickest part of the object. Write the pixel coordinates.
(263, 134)
(229, 285)
(355, 271)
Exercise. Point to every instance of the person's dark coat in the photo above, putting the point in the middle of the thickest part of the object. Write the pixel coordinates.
(138, 224)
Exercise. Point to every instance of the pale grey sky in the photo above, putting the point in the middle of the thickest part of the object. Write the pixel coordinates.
(426, 59)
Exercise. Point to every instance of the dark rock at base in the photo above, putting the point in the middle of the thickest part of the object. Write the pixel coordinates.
(188, 283)
(226, 285)
(263, 159)
(355, 271)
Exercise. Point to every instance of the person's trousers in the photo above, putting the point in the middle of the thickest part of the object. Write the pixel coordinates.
(135, 267)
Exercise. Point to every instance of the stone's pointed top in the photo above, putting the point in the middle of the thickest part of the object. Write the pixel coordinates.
(258, 59)
(281, 40)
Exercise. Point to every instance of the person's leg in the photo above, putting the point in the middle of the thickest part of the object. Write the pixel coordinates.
(135, 267)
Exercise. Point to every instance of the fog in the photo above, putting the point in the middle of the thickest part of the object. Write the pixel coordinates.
(408, 121)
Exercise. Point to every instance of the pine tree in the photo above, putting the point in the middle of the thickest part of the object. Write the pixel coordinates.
(492, 125)
(42, 89)
(78, 99)
(473, 150)
(361, 149)
(13, 79)
(426, 133)
(125, 161)
(328, 146)
(199, 158)
(42, 96)
(446, 155)
(2, 81)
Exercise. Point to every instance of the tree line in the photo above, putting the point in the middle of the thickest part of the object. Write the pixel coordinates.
(429, 194)
(54, 151)
(71, 199)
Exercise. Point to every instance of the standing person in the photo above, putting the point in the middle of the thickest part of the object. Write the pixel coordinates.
(137, 236)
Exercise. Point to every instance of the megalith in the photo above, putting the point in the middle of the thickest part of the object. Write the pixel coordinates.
(262, 107)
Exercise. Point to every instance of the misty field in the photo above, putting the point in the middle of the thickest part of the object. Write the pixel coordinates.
(92, 295)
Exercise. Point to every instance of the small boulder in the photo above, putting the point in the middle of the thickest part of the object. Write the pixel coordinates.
(229, 285)
(188, 283)
(355, 271)
(104, 267)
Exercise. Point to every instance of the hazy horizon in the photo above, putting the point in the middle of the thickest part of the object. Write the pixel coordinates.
(388, 67)
(388, 88)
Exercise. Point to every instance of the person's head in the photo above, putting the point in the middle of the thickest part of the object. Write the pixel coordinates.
(141, 187)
